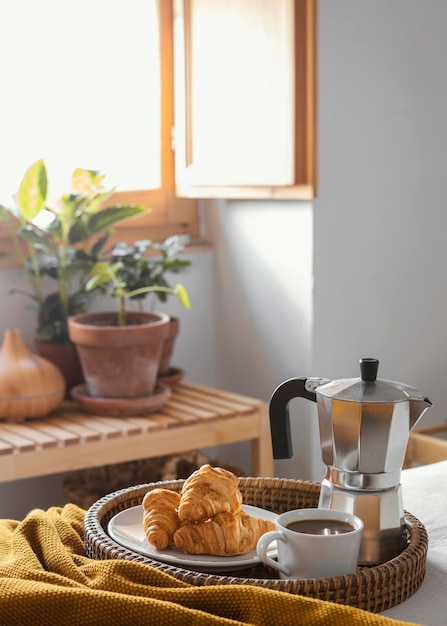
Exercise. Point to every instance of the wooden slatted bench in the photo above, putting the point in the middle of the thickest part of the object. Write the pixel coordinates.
(194, 417)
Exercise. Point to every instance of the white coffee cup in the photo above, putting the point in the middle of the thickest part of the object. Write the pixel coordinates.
(303, 554)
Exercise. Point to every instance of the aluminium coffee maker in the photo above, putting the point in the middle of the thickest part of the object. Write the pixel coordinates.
(364, 429)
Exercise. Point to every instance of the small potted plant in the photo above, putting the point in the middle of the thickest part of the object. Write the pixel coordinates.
(120, 350)
(59, 242)
(146, 263)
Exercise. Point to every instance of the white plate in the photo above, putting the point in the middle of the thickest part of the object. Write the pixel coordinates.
(126, 528)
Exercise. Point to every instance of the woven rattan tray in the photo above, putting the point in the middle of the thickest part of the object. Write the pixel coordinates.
(372, 588)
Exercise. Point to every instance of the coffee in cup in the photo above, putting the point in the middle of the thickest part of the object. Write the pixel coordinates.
(313, 543)
(320, 527)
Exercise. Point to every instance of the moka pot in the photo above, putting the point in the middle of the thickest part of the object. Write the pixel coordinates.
(364, 426)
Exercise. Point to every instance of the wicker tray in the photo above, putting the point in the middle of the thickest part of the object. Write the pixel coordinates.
(372, 588)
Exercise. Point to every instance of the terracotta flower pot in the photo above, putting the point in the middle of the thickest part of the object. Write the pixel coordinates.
(119, 361)
(65, 357)
(168, 346)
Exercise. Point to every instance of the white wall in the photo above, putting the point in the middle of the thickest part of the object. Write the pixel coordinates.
(378, 227)
(381, 219)
(293, 289)
(264, 309)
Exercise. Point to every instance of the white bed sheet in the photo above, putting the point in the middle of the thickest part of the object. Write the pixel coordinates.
(424, 492)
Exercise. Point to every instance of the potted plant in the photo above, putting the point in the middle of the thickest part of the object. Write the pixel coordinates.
(146, 263)
(58, 242)
(120, 350)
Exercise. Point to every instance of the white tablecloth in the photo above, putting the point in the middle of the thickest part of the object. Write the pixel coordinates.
(425, 496)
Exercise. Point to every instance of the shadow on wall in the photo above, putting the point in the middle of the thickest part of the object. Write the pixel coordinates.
(16, 312)
(264, 303)
(264, 307)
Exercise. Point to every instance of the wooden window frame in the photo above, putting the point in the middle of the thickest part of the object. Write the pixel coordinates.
(174, 207)
(305, 186)
(170, 214)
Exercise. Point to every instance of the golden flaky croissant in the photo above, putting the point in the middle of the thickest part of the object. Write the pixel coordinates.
(160, 519)
(226, 534)
(207, 492)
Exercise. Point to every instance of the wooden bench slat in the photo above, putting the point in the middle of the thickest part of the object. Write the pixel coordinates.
(146, 423)
(123, 425)
(100, 425)
(62, 436)
(166, 421)
(220, 407)
(18, 443)
(72, 425)
(220, 393)
(41, 439)
(6, 448)
(173, 407)
(180, 416)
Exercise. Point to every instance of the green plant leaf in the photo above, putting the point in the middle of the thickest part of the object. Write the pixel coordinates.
(103, 273)
(75, 267)
(81, 220)
(69, 203)
(84, 181)
(32, 192)
(106, 218)
(176, 265)
(4, 213)
(54, 229)
(96, 201)
(37, 239)
(174, 244)
(101, 242)
(20, 292)
(78, 232)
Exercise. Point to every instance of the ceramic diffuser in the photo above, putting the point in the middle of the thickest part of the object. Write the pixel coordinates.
(30, 386)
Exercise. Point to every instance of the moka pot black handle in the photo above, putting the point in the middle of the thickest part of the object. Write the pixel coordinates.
(279, 414)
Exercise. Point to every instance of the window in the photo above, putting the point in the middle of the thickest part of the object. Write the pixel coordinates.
(76, 98)
(170, 212)
(246, 98)
(94, 87)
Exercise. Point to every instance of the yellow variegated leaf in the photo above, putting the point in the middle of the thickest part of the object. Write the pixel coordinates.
(182, 295)
(84, 181)
(32, 193)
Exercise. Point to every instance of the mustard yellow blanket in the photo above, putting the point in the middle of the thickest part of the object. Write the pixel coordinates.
(46, 579)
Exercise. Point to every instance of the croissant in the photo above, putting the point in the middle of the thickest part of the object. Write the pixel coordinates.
(226, 534)
(160, 519)
(207, 492)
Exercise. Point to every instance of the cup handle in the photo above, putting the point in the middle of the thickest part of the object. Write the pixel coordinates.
(263, 546)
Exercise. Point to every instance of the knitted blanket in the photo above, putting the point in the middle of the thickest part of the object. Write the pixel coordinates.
(46, 579)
